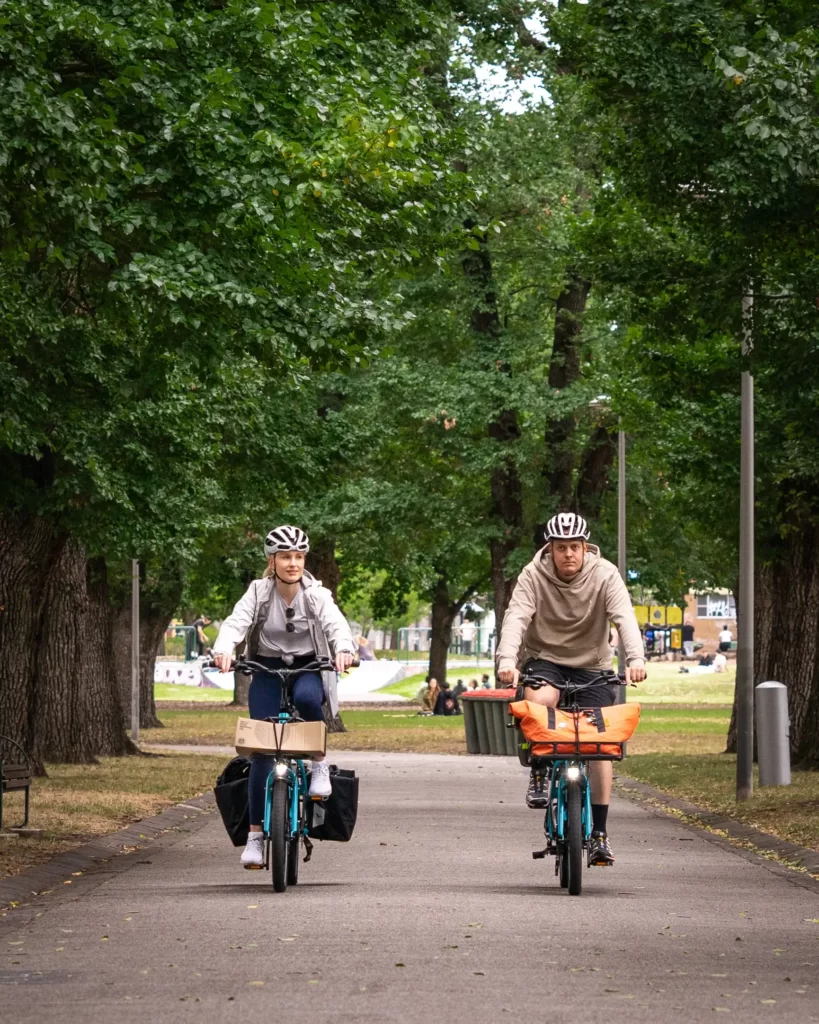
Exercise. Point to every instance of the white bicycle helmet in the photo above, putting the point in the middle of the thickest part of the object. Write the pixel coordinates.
(286, 538)
(567, 526)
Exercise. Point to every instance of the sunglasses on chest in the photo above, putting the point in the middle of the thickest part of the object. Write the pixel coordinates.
(289, 614)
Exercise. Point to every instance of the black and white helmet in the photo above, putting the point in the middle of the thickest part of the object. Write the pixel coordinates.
(567, 526)
(286, 538)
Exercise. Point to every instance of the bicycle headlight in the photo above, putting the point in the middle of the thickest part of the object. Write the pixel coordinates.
(573, 772)
(281, 769)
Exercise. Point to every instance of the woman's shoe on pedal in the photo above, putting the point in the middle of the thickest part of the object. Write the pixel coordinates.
(320, 787)
(253, 853)
(600, 852)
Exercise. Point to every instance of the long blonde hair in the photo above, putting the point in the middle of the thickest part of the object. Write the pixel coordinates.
(271, 567)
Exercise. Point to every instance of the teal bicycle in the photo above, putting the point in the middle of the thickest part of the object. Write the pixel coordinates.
(285, 823)
(564, 782)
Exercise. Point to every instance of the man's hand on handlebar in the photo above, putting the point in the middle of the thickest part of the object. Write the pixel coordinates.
(343, 661)
(224, 662)
(510, 676)
(635, 675)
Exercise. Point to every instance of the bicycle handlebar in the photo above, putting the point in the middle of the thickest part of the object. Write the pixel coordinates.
(565, 684)
(249, 667)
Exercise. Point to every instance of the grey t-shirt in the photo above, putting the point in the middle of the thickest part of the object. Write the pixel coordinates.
(274, 640)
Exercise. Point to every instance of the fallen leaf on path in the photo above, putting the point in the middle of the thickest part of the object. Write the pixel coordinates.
(720, 1009)
(255, 983)
(286, 938)
(479, 973)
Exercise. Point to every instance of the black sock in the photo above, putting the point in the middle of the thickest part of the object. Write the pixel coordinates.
(600, 813)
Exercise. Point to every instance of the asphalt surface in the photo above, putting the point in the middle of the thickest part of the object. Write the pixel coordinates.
(434, 912)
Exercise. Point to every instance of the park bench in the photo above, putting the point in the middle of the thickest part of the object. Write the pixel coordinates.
(15, 773)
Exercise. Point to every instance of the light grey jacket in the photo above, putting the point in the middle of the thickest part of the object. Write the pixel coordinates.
(328, 627)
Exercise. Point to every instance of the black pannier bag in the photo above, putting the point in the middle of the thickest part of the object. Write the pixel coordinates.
(334, 818)
(231, 799)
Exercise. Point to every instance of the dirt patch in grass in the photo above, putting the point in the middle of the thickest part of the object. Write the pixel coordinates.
(709, 780)
(77, 802)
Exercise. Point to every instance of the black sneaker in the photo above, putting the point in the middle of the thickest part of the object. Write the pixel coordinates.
(600, 852)
(537, 795)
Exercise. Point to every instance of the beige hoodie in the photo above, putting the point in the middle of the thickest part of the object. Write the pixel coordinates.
(568, 622)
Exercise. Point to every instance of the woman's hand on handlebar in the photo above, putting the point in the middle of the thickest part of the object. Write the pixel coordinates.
(224, 662)
(510, 676)
(343, 661)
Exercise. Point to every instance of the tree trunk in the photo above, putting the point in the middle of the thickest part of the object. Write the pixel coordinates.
(321, 562)
(159, 596)
(593, 478)
(564, 370)
(787, 638)
(27, 549)
(103, 715)
(76, 710)
(443, 615)
(506, 510)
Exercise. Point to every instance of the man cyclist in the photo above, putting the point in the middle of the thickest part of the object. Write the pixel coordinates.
(557, 627)
(288, 620)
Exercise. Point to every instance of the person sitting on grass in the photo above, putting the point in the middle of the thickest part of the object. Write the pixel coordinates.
(447, 702)
(459, 688)
(429, 696)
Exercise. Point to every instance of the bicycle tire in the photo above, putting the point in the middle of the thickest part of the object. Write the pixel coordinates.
(563, 868)
(574, 839)
(279, 836)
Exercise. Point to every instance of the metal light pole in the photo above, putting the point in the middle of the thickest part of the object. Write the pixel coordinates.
(621, 547)
(135, 650)
(745, 612)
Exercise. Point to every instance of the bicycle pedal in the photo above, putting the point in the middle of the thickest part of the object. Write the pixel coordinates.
(539, 854)
(318, 799)
(253, 867)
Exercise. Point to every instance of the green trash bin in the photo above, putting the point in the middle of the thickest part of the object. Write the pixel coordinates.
(473, 745)
(484, 740)
(486, 713)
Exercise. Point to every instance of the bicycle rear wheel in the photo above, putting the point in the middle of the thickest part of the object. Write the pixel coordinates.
(279, 836)
(574, 839)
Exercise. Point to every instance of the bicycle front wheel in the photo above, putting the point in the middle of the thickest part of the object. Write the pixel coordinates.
(574, 839)
(293, 850)
(279, 835)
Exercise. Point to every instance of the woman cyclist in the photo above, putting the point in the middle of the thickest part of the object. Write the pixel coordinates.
(288, 620)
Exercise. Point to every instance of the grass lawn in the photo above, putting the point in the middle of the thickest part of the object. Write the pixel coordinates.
(170, 691)
(791, 812)
(689, 730)
(665, 685)
(79, 801)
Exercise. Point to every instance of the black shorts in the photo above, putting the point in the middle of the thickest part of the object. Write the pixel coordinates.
(603, 695)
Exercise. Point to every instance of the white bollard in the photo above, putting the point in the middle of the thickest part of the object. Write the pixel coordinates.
(773, 734)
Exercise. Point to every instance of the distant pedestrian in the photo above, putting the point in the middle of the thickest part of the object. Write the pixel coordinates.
(726, 638)
(688, 637)
(473, 685)
(365, 652)
(202, 641)
(720, 662)
(485, 684)
(459, 688)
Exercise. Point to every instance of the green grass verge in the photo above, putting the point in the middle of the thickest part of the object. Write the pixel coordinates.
(170, 691)
(708, 780)
(665, 685)
(76, 802)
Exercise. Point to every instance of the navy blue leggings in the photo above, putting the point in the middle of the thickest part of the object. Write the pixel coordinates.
(264, 699)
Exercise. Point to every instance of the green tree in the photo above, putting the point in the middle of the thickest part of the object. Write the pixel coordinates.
(199, 204)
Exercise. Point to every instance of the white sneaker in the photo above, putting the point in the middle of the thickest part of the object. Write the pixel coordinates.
(253, 854)
(320, 780)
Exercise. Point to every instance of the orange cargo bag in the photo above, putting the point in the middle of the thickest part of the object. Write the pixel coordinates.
(552, 732)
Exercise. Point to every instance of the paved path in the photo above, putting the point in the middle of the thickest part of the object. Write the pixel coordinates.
(435, 912)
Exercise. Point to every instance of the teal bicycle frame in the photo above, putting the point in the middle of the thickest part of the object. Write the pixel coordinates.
(558, 808)
(290, 772)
